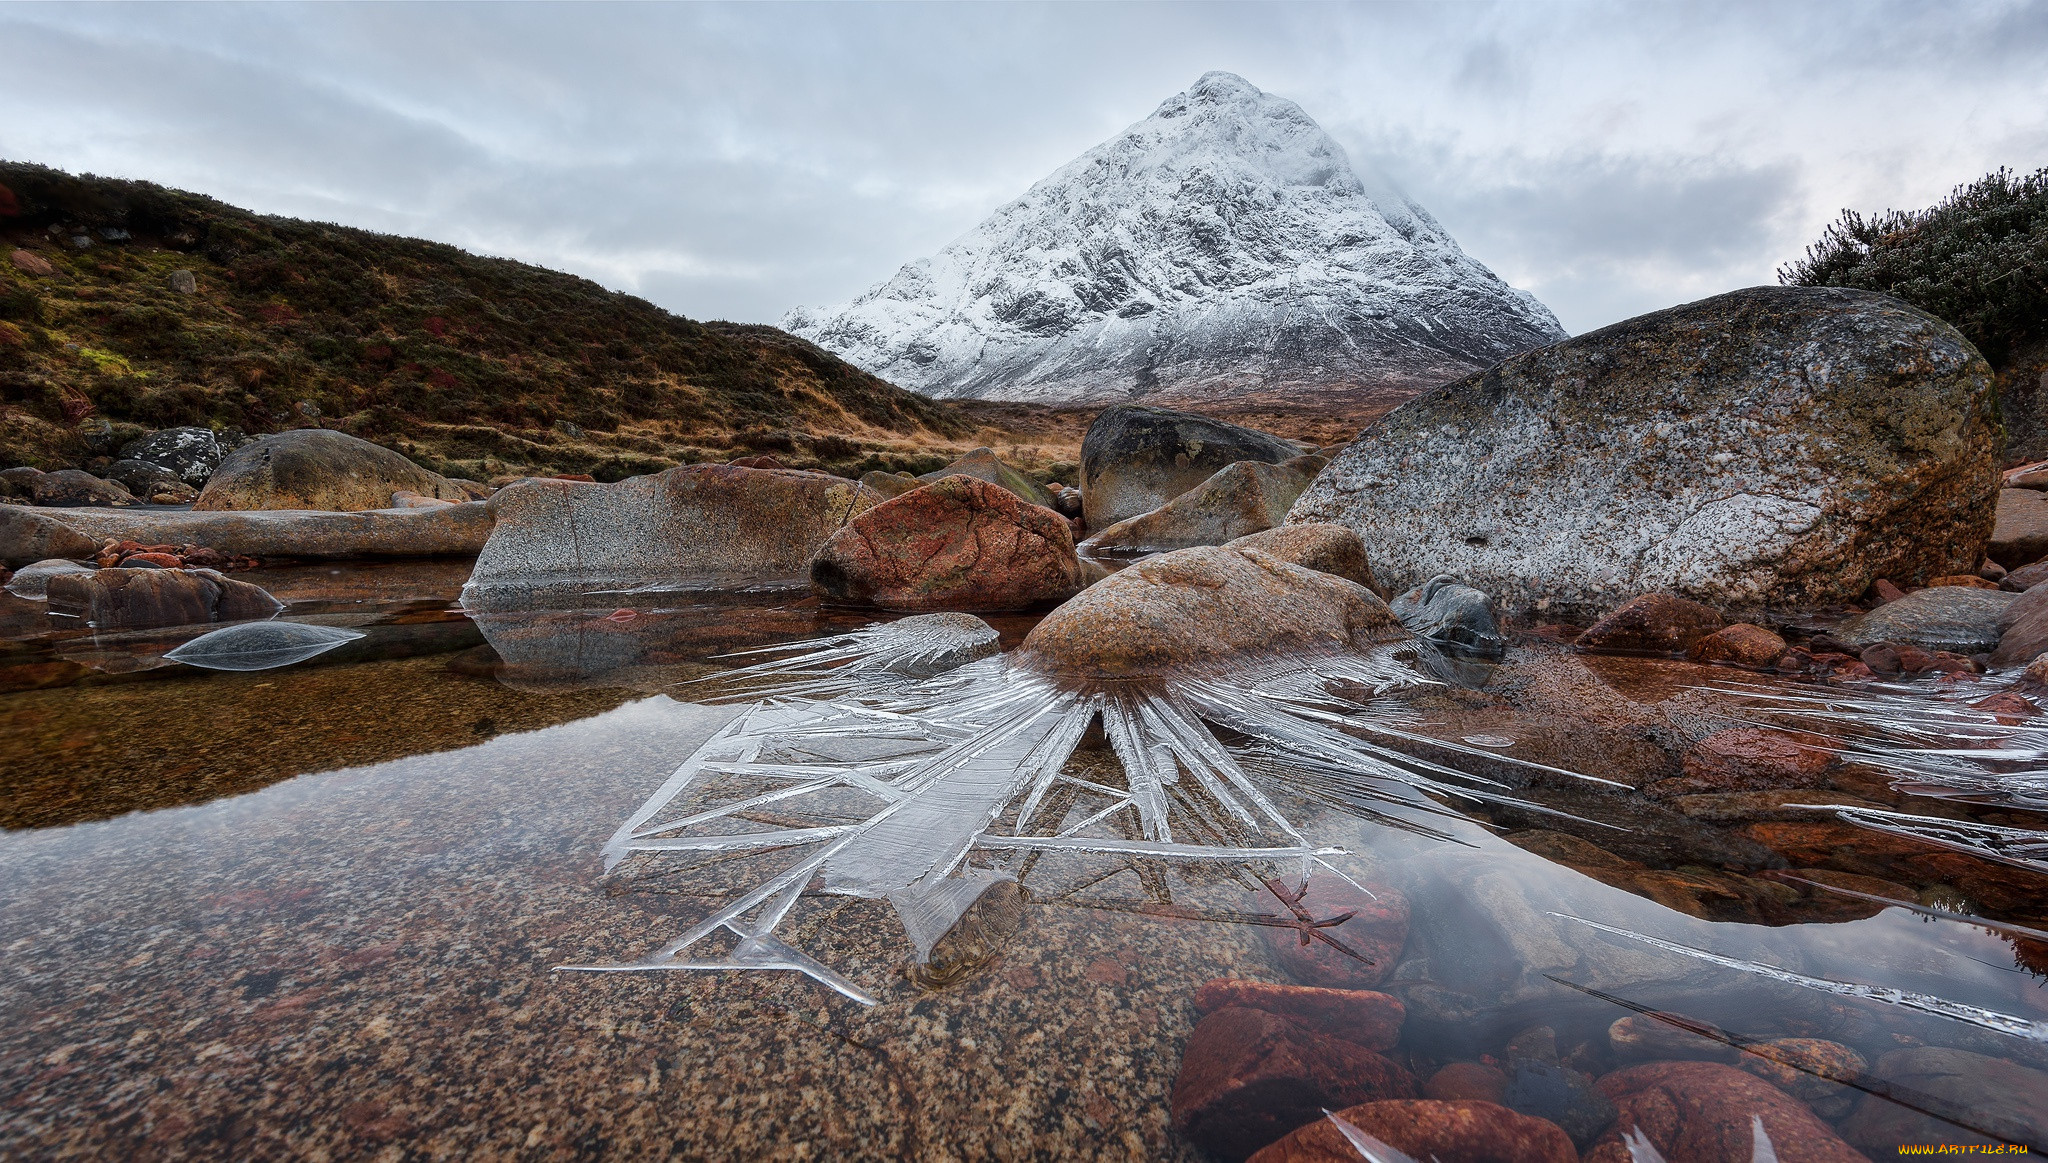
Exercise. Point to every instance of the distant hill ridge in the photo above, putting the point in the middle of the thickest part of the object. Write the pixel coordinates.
(469, 364)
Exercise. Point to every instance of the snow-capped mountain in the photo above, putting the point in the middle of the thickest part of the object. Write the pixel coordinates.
(1220, 246)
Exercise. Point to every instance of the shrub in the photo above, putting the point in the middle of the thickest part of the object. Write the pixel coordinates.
(1978, 258)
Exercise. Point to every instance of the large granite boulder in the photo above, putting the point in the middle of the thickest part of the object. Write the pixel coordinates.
(312, 468)
(445, 531)
(701, 526)
(984, 465)
(190, 454)
(1136, 458)
(1242, 498)
(959, 543)
(1777, 446)
(1207, 605)
(119, 599)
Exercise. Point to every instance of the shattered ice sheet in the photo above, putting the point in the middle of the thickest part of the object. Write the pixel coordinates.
(906, 763)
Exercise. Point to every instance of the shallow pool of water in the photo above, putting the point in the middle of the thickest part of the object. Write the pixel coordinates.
(318, 912)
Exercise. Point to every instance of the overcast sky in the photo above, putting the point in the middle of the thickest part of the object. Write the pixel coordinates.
(735, 161)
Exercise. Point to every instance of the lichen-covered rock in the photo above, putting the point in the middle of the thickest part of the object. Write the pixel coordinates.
(313, 468)
(1242, 498)
(1447, 1131)
(1323, 547)
(1657, 622)
(697, 525)
(1452, 615)
(1777, 446)
(1359, 1016)
(70, 486)
(1954, 618)
(119, 599)
(190, 454)
(1249, 1077)
(1136, 458)
(19, 481)
(959, 543)
(1700, 1112)
(984, 465)
(1202, 605)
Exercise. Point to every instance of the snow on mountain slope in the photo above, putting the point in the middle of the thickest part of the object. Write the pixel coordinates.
(1221, 246)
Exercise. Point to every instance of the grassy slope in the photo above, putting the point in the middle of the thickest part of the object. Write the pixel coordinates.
(475, 366)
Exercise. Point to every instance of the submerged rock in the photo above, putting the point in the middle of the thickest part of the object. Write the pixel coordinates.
(984, 465)
(1777, 446)
(313, 468)
(1248, 1077)
(957, 544)
(1743, 644)
(1656, 622)
(1372, 928)
(1242, 498)
(1456, 1131)
(260, 645)
(70, 486)
(119, 599)
(2007, 1101)
(1136, 458)
(1954, 618)
(1700, 1112)
(1452, 615)
(1325, 548)
(1206, 605)
(1359, 1016)
(1812, 1070)
(697, 525)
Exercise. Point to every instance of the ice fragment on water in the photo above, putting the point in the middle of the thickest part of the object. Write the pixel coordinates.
(260, 645)
(2002, 1023)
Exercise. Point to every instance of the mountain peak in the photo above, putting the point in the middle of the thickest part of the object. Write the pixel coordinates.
(1224, 243)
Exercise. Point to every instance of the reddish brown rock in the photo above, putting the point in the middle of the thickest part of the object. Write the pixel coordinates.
(1360, 1016)
(1700, 1112)
(128, 598)
(1467, 1082)
(1755, 758)
(1742, 644)
(1450, 1132)
(1327, 548)
(1372, 936)
(1811, 1070)
(958, 543)
(2020, 535)
(1885, 592)
(2006, 1102)
(31, 262)
(151, 560)
(2026, 577)
(1963, 579)
(1202, 606)
(1653, 622)
(1248, 1077)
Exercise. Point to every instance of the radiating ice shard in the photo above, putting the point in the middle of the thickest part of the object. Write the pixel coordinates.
(260, 645)
(1640, 1149)
(2002, 1023)
(1760, 1148)
(908, 763)
(2019, 847)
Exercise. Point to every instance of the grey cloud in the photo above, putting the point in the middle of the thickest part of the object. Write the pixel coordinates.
(733, 161)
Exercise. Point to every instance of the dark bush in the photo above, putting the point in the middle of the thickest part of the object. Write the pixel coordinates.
(1978, 258)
